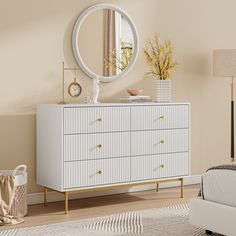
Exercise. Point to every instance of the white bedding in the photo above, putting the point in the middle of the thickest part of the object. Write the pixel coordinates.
(220, 186)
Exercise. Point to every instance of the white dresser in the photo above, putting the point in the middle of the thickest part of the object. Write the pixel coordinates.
(84, 147)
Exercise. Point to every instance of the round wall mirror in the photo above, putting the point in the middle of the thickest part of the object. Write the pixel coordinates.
(105, 42)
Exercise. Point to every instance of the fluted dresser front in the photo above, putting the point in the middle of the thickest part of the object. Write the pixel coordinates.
(92, 147)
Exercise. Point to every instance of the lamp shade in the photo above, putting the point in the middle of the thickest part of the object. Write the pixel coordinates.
(224, 62)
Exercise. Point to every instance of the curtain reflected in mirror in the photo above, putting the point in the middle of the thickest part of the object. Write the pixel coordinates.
(118, 46)
(106, 42)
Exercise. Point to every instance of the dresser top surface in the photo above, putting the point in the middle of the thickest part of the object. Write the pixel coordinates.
(114, 104)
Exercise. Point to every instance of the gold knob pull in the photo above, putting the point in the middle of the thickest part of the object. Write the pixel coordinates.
(99, 172)
(99, 119)
(162, 166)
(99, 145)
(162, 117)
(162, 141)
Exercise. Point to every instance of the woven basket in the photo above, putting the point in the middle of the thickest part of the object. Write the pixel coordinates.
(19, 205)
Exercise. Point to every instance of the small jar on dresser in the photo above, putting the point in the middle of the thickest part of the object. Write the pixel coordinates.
(84, 147)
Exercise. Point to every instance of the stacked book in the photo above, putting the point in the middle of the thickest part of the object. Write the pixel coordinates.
(133, 99)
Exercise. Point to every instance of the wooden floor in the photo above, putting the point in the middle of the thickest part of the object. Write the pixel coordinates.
(106, 205)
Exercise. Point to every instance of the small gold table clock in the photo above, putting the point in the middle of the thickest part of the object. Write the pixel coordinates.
(74, 89)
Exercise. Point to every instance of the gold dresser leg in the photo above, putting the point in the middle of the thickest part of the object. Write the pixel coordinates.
(157, 187)
(45, 196)
(182, 187)
(66, 203)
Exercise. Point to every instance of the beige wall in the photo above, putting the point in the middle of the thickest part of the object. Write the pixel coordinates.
(35, 38)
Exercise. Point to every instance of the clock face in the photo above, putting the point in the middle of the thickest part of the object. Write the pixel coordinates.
(74, 89)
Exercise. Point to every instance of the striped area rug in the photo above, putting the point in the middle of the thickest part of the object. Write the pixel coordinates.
(129, 223)
(168, 221)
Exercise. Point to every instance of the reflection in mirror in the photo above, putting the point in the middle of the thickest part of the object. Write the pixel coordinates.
(106, 42)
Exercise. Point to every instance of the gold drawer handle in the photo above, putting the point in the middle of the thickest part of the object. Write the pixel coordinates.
(162, 141)
(162, 117)
(162, 166)
(99, 146)
(99, 172)
(99, 119)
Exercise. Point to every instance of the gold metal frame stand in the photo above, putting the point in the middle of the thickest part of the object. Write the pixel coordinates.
(66, 201)
(63, 80)
(172, 180)
(66, 194)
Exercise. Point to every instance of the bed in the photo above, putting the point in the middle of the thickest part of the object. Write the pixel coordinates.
(215, 207)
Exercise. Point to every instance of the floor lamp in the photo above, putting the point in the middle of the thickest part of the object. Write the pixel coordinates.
(224, 65)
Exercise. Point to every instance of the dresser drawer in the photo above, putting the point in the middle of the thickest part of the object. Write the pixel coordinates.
(159, 117)
(96, 119)
(96, 172)
(159, 166)
(95, 146)
(159, 141)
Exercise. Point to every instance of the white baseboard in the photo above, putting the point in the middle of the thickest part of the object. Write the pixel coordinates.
(37, 198)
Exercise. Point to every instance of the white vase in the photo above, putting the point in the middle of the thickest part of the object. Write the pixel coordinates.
(162, 90)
